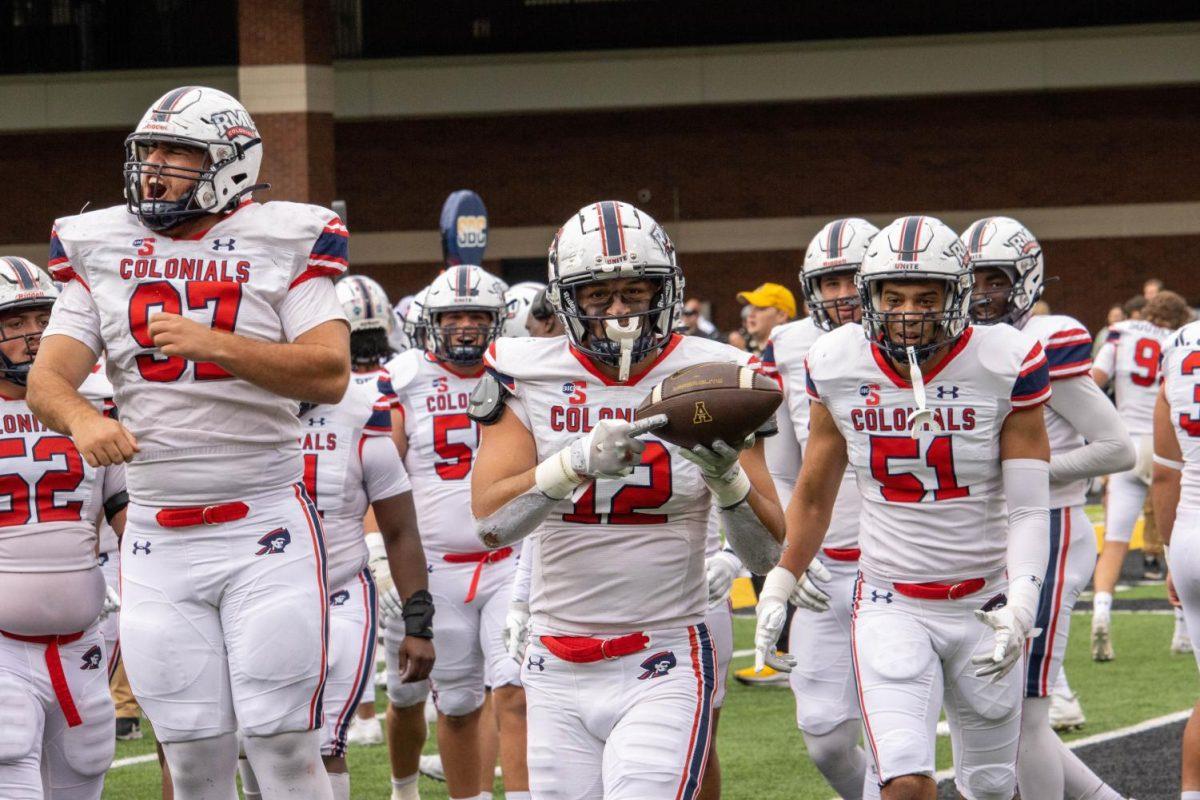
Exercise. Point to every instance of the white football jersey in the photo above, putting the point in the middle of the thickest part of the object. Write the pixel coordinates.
(442, 441)
(784, 357)
(644, 568)
(349, 462)
(1068, 348)
(1131, 358)
(1181, 374)
(933, 507)
(262, 272)
(50, 498)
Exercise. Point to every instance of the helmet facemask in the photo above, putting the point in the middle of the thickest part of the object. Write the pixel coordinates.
(18, 371)
(625, 339)
(160, 214)
(1016, 303)
(826, 313)
(937, 328)
(441, 339)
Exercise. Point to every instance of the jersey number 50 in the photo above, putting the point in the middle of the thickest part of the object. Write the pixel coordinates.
(161, 296)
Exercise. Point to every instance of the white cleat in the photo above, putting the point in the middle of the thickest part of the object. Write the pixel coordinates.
(431, 767)
(1102, 649)
(364, 732)
(1181, 642)
(1066, 714)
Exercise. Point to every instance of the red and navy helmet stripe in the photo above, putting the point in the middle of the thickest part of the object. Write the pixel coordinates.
(910, 238)
(975, 243)
(612, 234)
(834, 245)
(462, 280)
(167, 107)
(24, 276)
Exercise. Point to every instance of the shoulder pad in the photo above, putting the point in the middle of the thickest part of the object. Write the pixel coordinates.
(487, 400)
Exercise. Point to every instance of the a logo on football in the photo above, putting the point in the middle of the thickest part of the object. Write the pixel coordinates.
(701, 416)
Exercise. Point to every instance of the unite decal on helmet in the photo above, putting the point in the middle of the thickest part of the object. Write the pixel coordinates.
(1004, 243)
(608, 240)
(838, 247)
(520, 298)
(199, 118)
(462, 288)
(24, 286)
(370, 316)
(915, 248)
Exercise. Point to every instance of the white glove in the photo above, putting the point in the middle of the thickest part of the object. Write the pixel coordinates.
(771, 616)
(385, 588)
(516, 629)
(721, 570)
(807, 594)
(609, 450)
(722, 473)
(112, 603)
(1012, 624)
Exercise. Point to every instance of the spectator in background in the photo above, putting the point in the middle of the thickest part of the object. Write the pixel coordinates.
(542, 322)
(768, 305)
(1151, 287)
(1133, 307)
(1116, 313)
(693, 321)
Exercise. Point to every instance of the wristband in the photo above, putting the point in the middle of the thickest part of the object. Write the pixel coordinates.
(731, 488)
(554, 476)
(778, 585)
(418, 615)
(1163, 461)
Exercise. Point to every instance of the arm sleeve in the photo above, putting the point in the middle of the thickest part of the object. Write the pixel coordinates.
(1106, 359)
(383, 472)
(524, 575)
(1027, 489)
(75, 314)
(783, 454)
(1109, 448)
(307, 305)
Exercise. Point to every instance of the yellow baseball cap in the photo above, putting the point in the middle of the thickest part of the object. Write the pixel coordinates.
(771, 295)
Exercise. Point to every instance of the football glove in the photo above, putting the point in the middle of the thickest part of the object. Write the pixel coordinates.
(807, 594)
(609, 450)
(516, 629)
(720, 570)
(771, 616)
(112, 603)
(721, 471)
(1012, 625)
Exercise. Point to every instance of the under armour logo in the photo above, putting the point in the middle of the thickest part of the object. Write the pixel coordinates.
(141, 547)
(219, 245)
(339, 598)
(92, 658)
(536, 662)
(314, 421)
(947, 391)
(884, 596)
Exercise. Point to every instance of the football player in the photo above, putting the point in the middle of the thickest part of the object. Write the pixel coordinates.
(463, 312)
(57, 737)
(1176, 494)
(822, 681)
(1087, 440)
(620, 674)
(217, 315)
(941, 422)
(350, 467)
(1130, 360)
(520, 299)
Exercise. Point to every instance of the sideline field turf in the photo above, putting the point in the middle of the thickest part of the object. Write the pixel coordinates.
(762, 754)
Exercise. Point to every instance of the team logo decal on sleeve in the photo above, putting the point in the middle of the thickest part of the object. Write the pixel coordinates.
(92, 658)
(274, 542)
(658, 665)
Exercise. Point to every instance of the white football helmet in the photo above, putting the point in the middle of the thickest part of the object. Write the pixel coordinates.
(24, 286)
(462, 288)
(838, 247)
(370, 315)
(520, 298)
(609, 240)
(916, 248)
(1005, 243)
(200, 118)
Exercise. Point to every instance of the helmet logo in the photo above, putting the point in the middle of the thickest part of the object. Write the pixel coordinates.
(1023, 242)
(659, 237)
(233, 123)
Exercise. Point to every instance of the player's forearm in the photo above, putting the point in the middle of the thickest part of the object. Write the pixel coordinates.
(315, 373)
(515, 519)
(1164, 497)
(1027, 490)
(406, 560)
(1109, 447)
(807, 522)
(757, 546)
(57, 403)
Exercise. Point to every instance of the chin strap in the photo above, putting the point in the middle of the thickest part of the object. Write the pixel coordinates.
(921, 419)
(624, 332)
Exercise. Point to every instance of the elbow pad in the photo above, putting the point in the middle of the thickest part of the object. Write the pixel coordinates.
(486, 403)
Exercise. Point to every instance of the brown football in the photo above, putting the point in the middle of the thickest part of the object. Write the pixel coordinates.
(712, 401)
